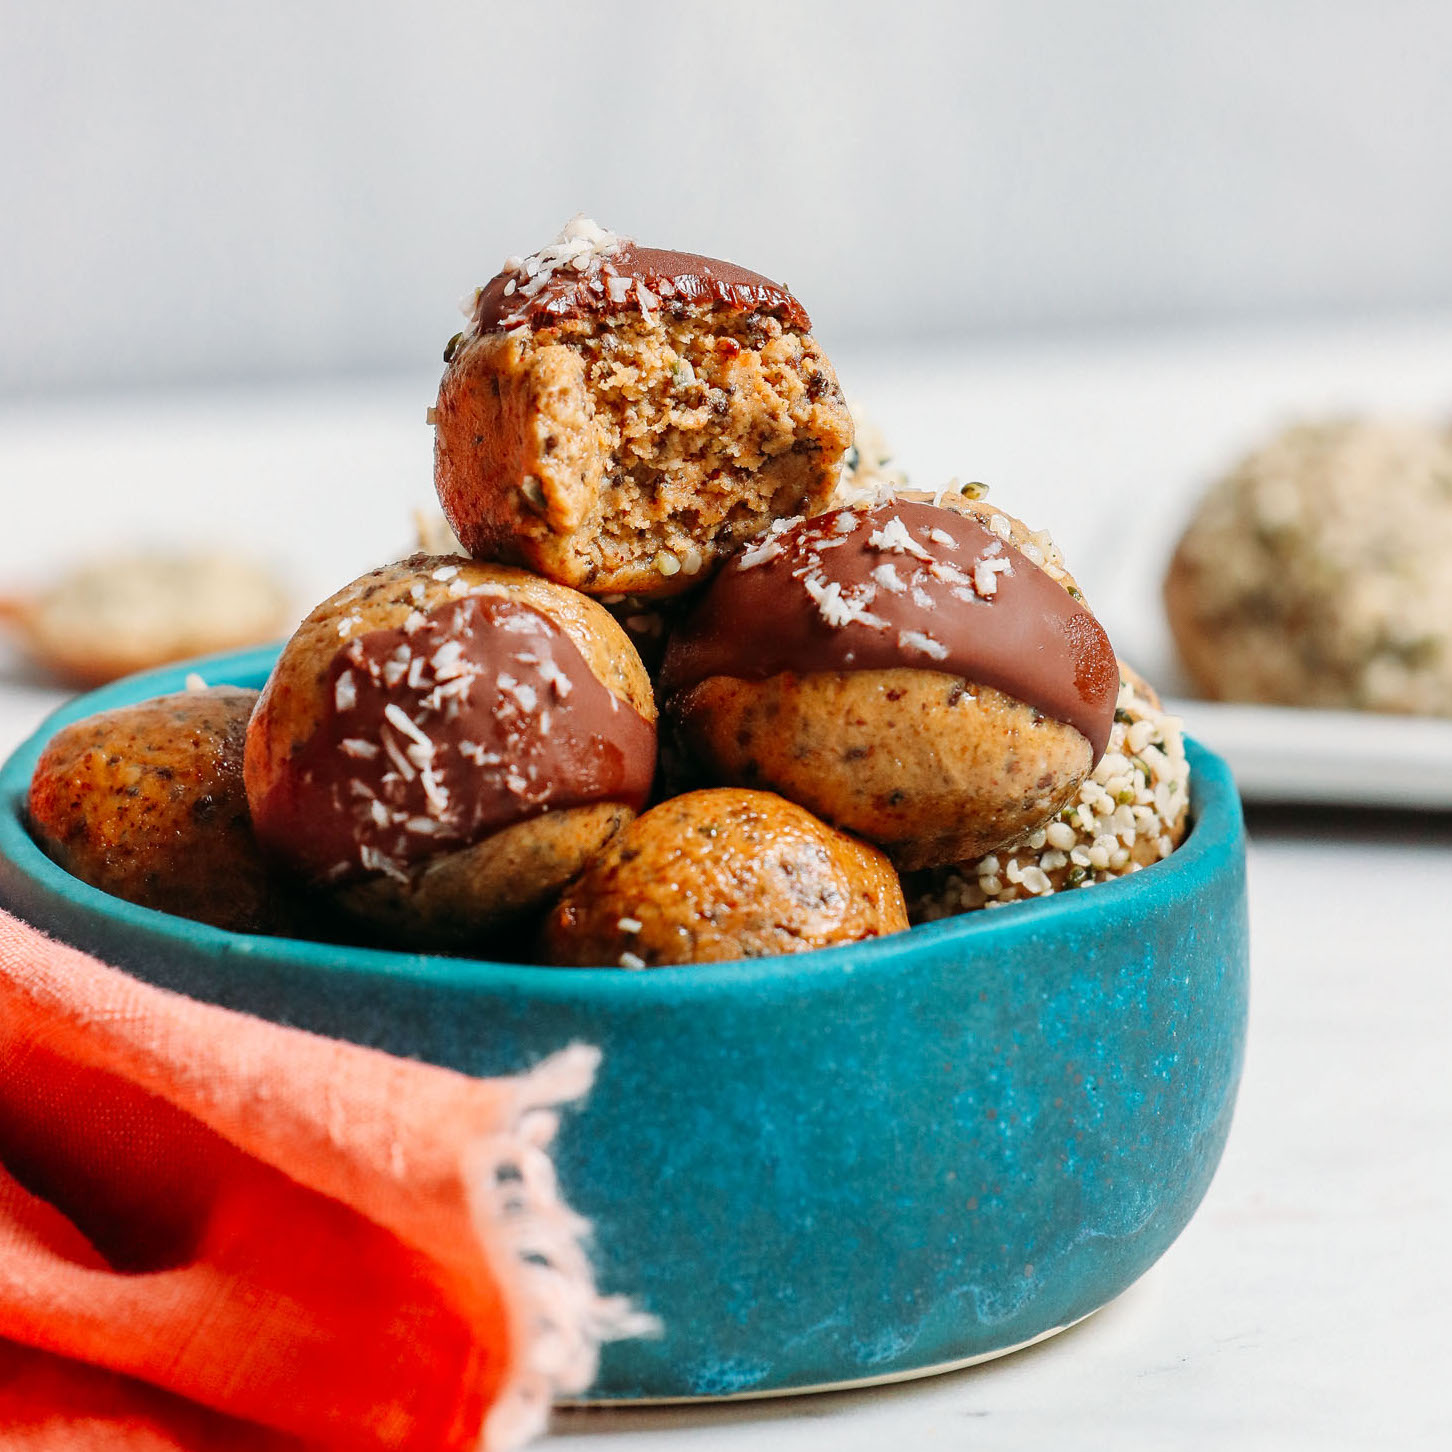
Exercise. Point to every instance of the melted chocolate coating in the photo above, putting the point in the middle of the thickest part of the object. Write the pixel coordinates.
(484, 715)
(916, 595)
(671, 276)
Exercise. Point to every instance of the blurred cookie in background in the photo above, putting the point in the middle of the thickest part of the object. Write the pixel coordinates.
(132, 611)
(1318, 572)
(868, 475)
(432, 534)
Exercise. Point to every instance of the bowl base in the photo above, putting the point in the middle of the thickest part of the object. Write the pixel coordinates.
(853, 1384)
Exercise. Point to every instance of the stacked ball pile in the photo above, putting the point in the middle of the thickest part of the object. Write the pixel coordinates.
(679, 703)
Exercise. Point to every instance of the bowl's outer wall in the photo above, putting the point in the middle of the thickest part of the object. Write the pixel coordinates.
(882, 1158)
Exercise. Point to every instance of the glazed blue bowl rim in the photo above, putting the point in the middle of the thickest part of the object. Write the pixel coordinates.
(1208, 848)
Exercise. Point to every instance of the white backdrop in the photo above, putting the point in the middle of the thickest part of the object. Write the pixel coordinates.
(244, 190)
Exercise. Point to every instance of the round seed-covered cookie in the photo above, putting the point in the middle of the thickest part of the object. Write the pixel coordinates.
(1318, 572)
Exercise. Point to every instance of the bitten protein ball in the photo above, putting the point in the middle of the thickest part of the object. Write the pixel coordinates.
(620, 418)
(443, 745)
(722, 874)
(146, 802)
(905, 672)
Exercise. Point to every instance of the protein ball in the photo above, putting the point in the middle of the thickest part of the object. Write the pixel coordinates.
(444, 744)
(1132, 811)
(147, 802)
(620, 418)
(720, 874)
(904, 672)
(114, 616)
(1319, 572)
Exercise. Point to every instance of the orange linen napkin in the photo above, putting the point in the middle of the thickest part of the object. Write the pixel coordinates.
(219, 1233)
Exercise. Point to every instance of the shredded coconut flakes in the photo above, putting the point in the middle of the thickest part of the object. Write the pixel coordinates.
(894, 536)
(986, 573)
(838, 609)
(923, 644)
(581, 245)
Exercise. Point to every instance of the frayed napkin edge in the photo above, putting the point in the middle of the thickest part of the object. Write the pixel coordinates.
(535, 1244)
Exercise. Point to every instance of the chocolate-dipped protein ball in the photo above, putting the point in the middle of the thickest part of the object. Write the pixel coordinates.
(1036, 545)
(905, 672)
(146, 802)
(1131, 812)
(723, 874)
(444, 744)
(1319, 572)
(621, 418)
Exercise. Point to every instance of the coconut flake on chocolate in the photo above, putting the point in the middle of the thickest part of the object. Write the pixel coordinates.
(438, 737)
(988, 614)
(839, 607)
(922, 643)
(768, 546)
(589, 269)
(986, 572)
(894, 536)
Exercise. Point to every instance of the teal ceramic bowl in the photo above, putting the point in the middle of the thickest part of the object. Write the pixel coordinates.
(858, 1164)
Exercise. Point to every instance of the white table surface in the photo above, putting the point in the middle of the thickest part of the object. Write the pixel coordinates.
(1307, 1304)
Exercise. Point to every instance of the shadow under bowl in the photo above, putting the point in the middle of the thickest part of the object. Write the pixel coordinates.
(855, 1164)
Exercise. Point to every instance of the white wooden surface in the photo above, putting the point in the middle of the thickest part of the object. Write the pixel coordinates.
(1306, 1305)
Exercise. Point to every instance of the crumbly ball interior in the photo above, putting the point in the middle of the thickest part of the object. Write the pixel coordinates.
(1130, 813)
(687, 411)
(1319, 572)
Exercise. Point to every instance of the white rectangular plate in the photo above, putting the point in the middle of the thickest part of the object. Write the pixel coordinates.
(1350, 758)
